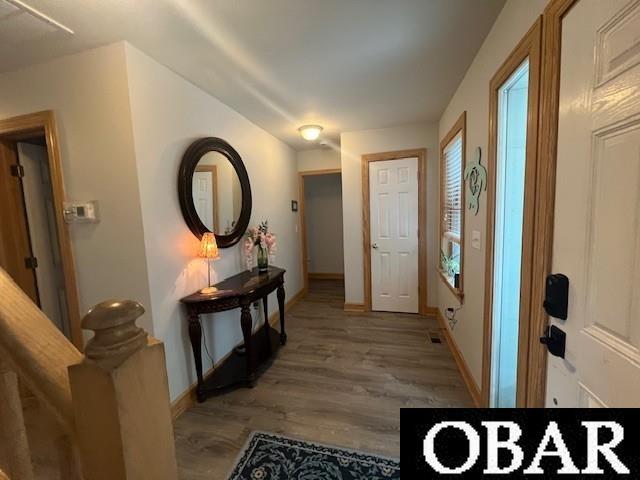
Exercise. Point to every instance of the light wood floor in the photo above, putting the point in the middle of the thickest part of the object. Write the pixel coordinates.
(340, 380)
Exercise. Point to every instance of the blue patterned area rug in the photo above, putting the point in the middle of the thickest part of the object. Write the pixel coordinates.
(272, 457)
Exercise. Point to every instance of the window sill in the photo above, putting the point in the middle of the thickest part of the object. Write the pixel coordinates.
(459, 294)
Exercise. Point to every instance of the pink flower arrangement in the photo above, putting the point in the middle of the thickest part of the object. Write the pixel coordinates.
(260, 237)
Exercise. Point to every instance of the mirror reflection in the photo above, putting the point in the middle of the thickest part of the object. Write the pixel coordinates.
(217, 194)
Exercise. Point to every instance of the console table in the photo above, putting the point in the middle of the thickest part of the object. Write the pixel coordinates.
(239, 291)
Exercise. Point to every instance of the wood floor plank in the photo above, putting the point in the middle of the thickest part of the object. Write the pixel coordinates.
(341, 379)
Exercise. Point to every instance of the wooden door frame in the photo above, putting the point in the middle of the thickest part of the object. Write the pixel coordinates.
(553, 16)
(43, 123)
(421, 155)
(302, 221)
(214, 192)
(528, 47)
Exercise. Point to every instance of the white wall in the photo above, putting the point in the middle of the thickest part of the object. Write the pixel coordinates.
(323, 219)
(168, 114)
(356, 144)
(89, 95)
(473, 96)
(318, 159)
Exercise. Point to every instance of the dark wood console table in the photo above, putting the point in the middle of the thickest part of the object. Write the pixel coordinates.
(239, 291)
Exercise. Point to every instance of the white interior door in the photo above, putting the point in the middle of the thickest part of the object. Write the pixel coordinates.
(38, 196)
(393, 187)
(597, 215)
(203, 197)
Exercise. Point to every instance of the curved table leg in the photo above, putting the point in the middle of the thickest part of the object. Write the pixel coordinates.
(283, 334)
(246, 323)
(195, 335)
(267, 327)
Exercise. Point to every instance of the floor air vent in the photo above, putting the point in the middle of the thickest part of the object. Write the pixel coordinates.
(434, 336)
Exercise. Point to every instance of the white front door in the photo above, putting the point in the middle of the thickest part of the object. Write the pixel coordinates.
(597, 214)
(393, 187)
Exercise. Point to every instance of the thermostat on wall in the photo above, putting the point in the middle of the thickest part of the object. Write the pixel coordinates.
(81, 212)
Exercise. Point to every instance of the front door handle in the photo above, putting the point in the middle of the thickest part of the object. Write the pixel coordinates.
(555, 340)
(374, 246)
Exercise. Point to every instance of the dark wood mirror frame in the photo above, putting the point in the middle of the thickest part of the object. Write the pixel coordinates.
(185, 188)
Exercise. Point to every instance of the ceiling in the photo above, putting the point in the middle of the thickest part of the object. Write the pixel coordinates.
(345, 64)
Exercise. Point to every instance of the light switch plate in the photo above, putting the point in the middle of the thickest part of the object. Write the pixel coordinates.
(475, 239)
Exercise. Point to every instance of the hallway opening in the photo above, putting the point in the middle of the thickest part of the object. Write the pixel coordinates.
(321, 226)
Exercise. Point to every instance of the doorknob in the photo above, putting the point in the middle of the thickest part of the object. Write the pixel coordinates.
(374, 245)
(555, 340)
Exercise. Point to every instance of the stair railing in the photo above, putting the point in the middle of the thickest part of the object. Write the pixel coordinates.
(112, 403)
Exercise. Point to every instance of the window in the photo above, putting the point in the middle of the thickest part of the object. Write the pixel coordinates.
(452, 160)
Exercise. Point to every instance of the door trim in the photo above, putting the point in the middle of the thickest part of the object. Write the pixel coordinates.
(528, 47)
(553, 16)
(304, 255)
(44, 123)
(421, 154)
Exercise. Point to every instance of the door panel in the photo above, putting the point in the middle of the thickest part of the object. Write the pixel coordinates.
(394, 235)
(44, 237)
(14, 234)
(597, 213)
(203, 198)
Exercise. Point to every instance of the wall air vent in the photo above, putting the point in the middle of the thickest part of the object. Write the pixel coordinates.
(21, 23)
(7, 9)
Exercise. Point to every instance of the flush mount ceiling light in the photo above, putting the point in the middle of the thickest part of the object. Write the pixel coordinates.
(310, 132)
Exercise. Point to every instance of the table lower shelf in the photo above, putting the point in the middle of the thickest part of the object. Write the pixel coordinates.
(232, 371)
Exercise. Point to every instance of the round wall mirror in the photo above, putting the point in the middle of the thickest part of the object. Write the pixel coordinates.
(214, 191)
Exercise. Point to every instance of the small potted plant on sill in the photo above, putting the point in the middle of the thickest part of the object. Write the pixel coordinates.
(261, 239)
(451, 268)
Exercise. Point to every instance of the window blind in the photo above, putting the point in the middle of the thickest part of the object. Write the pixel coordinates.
(452, 189)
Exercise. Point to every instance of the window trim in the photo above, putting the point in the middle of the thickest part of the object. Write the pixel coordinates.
(459, 127)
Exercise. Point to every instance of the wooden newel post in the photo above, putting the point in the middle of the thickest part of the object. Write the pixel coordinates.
(121, 399)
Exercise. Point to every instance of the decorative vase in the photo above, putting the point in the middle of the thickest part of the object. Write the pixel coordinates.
(263, 259)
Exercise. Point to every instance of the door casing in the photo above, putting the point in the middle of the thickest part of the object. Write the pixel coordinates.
(304, 255)
(545, 192)
(44, 123)
(421, 155)
(529, 47)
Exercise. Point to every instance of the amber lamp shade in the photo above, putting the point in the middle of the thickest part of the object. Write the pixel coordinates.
(208, 250)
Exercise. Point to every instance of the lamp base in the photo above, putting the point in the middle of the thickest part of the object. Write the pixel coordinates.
(208, 290)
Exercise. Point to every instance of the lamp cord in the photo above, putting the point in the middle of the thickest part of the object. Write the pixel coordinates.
(204, 341)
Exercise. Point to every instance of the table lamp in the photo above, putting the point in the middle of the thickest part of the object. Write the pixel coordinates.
(209, 250)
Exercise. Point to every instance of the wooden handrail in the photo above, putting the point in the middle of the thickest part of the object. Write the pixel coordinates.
(38, 351)
(112, 403)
